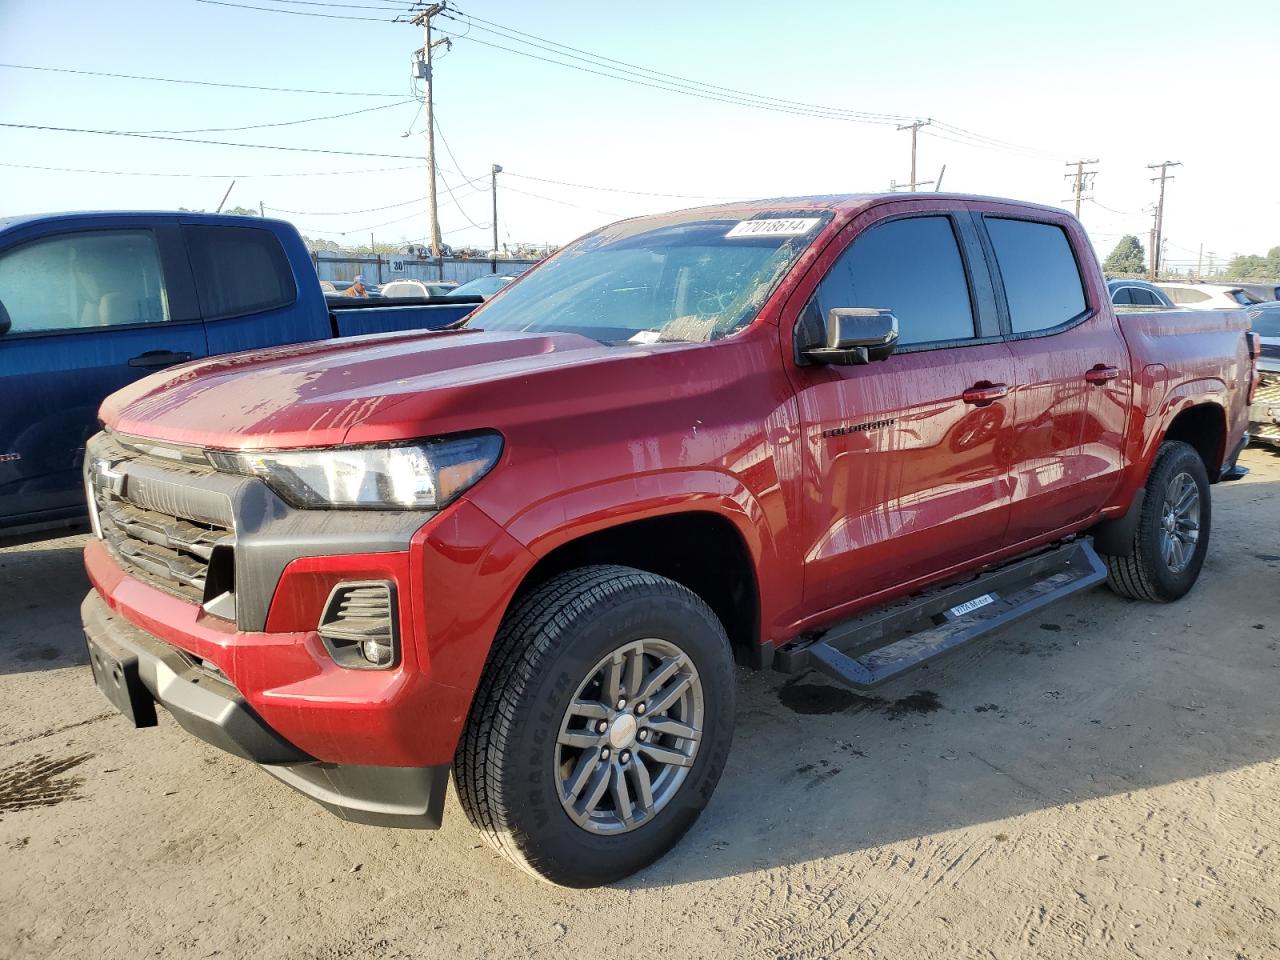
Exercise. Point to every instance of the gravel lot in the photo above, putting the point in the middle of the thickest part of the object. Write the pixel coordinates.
(1098, 782)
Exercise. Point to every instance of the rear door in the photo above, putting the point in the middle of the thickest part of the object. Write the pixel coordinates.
(89, 310)
(904, 459)
(1071, 369)
(250, 293)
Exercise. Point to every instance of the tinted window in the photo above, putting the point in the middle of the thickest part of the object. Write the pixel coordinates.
(1144, 298)
(1123, 296)
(83, 280)
(912, 267)
(238, 270)
(1041, 280)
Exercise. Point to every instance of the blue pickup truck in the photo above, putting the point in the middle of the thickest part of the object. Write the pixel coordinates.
(92, 301)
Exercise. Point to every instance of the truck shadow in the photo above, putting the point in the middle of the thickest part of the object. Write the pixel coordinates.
(41, 586)
(1094, 697)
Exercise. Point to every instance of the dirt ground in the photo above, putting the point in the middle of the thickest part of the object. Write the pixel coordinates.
(1099, 782)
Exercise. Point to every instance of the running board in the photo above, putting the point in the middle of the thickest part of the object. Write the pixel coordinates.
(877, 647)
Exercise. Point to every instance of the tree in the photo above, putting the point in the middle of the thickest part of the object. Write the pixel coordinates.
(1126, 257)
(241, 212)
(1253, 267)
(318, 243)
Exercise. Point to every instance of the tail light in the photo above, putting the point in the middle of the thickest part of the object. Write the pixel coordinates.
(1255, 351)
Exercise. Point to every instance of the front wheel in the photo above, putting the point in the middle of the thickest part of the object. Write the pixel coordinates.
(1172, 536)
(601, 725)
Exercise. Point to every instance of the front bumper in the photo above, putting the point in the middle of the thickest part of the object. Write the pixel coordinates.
(135, 672)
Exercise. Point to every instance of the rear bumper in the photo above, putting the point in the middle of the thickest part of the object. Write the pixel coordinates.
(1264, 415)
(135, 671)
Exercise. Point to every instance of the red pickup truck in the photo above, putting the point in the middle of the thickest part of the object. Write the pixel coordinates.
(843, 434)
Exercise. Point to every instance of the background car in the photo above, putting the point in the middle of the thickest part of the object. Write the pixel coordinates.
(1137, 293)
(1266, 292)
(418, 288)
(1209, 296)
(484, 287)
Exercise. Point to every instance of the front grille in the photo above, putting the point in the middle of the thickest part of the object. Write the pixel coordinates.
(157, 528)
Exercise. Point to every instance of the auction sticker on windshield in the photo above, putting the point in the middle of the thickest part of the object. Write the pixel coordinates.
(775, 227)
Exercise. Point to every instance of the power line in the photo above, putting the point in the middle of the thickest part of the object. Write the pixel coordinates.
(520, 36)
(279, 123)
(214, 143)
(207, 176)
(637, 193)
(345, 213)
(676, 83)
(624, 78)
(296, 13)
(1123, 213)
(458, 203)
(563, 203)
(198, 83)
(399, 7)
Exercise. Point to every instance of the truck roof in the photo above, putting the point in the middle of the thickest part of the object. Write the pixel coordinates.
(131, 216)
(848, 202)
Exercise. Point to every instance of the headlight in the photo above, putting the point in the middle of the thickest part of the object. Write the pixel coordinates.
(424, 475)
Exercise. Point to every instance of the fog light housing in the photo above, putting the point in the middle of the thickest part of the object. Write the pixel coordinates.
(359, 626)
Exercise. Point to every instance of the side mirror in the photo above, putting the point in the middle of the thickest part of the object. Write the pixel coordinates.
(846, 336)
(5, 323)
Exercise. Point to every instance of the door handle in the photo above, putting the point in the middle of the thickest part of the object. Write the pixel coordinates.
(985, 392)
(1101, 373)
(160, 358)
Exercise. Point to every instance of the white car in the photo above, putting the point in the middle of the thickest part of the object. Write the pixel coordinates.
(398, 289)
(1209, 296)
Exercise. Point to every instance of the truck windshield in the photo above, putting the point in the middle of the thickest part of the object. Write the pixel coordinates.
(657, 279)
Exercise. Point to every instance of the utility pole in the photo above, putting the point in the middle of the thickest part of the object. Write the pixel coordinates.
(493, 174)
(1199, 259)
(423, 20)
(1083, 181)
(915, 129)
(262, 211)
(1211, 273)
(1159, 229)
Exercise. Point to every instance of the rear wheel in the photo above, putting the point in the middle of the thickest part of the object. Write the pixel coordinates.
(601, 726)
(1172, 536)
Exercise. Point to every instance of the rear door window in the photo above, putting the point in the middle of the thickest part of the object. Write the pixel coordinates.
(239, 270)
(1123, 297)
(912, 267)
(1042, 282)
(83, 281)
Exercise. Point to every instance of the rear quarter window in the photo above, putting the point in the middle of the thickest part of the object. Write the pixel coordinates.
(239, 270)
(1041, 277)
(1184, 295)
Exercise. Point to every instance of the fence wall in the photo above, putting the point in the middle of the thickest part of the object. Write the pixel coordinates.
(382, 269)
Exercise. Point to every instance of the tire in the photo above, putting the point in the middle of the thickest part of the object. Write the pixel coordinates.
(1147, 573)
(522, 750)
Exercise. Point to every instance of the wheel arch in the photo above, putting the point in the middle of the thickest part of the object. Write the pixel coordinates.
(1201, 425)
(700, 549)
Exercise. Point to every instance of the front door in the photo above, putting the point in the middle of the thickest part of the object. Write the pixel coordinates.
(88, 312)
(906, 470)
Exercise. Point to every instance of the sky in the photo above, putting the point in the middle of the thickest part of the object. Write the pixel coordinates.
(1127, 84)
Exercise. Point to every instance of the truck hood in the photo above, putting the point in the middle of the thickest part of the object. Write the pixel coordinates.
(332, 392)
